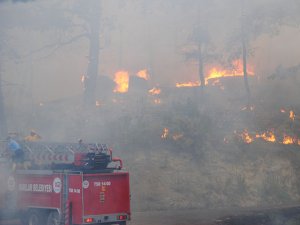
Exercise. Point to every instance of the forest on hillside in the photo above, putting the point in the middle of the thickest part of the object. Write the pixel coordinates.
(200, 98)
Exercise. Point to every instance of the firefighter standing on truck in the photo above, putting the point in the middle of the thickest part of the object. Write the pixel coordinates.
(33, 136)
(16, 152)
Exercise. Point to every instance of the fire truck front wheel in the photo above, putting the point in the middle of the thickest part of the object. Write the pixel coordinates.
(53, 218)
(35, 217)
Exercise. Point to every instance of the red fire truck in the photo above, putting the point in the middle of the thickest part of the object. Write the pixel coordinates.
(69, 184)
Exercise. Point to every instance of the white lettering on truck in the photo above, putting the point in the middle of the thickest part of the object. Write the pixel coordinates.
(74, 190)
(35, 187)
(102, 183)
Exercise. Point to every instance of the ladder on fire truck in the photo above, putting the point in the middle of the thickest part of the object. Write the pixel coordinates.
(68, 155)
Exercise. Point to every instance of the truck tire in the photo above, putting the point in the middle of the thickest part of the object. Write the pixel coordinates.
(53, 218)
(36, 217)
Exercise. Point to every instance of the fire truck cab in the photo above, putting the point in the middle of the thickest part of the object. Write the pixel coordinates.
(66, 185)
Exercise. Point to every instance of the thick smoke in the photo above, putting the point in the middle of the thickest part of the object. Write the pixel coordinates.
(185, 141)
(15, 1)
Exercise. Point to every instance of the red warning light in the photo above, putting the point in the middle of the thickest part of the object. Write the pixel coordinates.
(122, 217)
(88, 220)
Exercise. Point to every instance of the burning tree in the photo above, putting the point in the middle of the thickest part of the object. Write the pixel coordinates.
(200, 40)
(237, 51)
(244, 52)
(261, 17)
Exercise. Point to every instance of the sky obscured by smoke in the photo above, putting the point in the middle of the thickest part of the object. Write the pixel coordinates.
(135, 35)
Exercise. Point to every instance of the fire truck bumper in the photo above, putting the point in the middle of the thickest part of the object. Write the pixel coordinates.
(110, 218)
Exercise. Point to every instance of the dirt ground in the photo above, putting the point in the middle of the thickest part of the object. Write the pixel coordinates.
(289, 215)
(182, 217)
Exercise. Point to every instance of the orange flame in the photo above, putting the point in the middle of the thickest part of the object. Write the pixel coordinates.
(143, 74)
(237, 71)
(154, 91)
(267, 136)
(287, 140)
(292, 115)
(165, 133)
(215, 72)
(121, 80)
(245, 136)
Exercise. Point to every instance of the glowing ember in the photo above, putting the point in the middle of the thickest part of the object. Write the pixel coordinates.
(83, 78)
(292, 115)
(235, 72)
(157, 101)
(165, 133)
(188, 84)
(154, 91)
(267, 136)
(121, 80)
(287, 140)
(143, 74)
(98, 103)
(245, 136)
(177, 136)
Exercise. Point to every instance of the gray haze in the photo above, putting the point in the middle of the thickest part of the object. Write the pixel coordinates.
(47, 46)
(135, 35)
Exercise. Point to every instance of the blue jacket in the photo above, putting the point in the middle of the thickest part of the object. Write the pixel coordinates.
(13, 145)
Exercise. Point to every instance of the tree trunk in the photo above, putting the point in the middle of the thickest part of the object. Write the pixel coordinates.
(3, 123)
(244, 51)
(200, 66)
(92, 71)
(245, 68)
